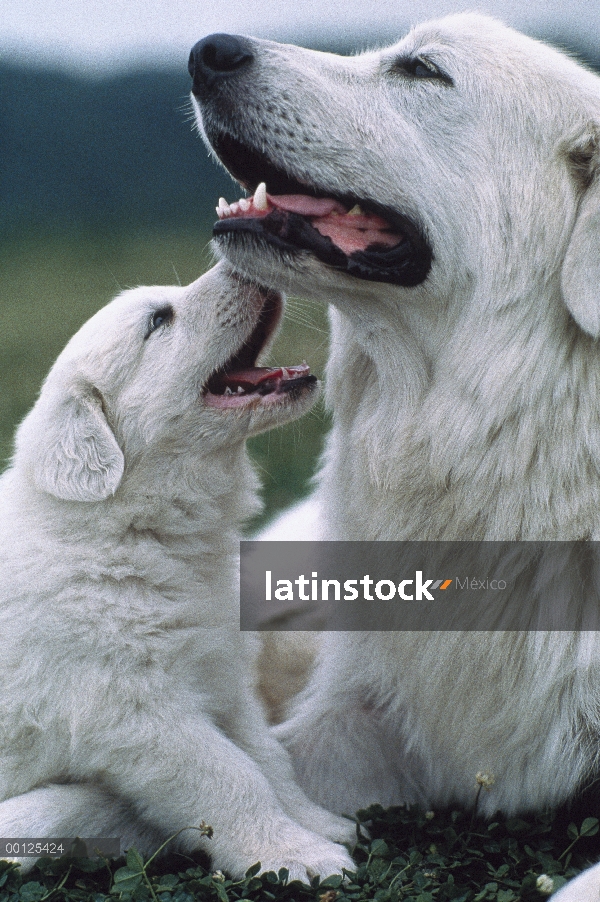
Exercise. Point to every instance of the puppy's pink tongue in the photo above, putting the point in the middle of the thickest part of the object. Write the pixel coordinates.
(253, 376)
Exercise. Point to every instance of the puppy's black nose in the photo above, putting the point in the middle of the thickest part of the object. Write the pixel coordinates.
(218, 56)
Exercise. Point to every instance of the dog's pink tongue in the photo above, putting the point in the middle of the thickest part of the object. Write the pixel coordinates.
(306, 206)
(253, 376)
(350, 232)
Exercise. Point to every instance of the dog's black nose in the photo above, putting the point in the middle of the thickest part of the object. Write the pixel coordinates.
(217, 56)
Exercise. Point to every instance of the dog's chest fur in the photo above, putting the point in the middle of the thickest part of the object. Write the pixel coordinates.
(489, 449)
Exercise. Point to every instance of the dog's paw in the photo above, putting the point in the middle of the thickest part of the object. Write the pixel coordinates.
(331, 826)
(323, 859)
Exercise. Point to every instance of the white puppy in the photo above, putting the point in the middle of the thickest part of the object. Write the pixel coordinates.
(127, 707)
(444, 195)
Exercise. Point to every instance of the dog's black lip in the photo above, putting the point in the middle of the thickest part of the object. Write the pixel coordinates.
(406, 264)
(292, 387)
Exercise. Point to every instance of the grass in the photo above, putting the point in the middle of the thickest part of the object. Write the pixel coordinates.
(51, 285)
(410, 856)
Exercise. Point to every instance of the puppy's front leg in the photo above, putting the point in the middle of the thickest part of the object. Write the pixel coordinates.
(178, 770)
(250, 731)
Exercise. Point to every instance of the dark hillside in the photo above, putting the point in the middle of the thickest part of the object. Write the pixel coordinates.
(83, 153)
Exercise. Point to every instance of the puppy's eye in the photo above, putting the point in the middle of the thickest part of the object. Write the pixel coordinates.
(161, 317)
(421, 68)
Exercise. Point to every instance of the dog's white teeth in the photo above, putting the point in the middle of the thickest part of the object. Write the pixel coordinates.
(355, 211)
(235, 208)
(244, 204)
(227, 391)
(223, 209)
(260, 197)
(240, 390)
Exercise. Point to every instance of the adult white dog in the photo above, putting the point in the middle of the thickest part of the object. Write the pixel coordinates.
(444, 196)
(127, 707)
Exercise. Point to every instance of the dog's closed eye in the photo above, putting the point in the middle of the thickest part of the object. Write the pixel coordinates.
(161, 317)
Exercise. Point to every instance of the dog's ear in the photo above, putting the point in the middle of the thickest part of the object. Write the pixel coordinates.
(580, 278)
(78, 458)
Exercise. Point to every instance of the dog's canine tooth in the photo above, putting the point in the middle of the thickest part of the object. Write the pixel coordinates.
(260, 197)
(355, 211)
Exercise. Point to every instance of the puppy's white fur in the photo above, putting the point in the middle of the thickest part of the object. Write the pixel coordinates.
(127, 706)
(466, 407)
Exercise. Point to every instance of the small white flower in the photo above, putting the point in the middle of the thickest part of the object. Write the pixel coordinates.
(485, 780)
(218, 875)
(545, 884)
(429, 815)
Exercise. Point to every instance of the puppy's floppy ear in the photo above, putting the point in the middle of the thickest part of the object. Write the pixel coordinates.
(580, 278)
(78, 458)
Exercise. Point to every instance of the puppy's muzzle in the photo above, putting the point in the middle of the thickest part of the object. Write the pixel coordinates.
(217, 57)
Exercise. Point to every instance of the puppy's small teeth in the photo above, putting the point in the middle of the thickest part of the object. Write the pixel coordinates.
(244, 204)
(260, 197)
(235, 208)
(240, 390)
(355, 211)
(227, 391)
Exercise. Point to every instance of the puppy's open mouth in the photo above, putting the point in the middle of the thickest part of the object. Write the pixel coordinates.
(357, 235)
(240, 383)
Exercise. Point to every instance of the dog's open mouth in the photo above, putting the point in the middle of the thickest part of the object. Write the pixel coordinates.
(240, 383)
(357, 235)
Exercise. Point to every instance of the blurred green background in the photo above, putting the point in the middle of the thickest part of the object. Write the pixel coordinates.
(104, 185)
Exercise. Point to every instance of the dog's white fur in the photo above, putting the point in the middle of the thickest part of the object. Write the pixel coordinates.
(467, 407)
(127, 705)
(585, 888)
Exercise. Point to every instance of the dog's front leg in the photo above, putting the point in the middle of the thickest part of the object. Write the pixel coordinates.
(250, 731)
(178, 771)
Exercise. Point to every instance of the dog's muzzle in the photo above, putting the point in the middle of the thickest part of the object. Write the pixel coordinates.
(350, 233)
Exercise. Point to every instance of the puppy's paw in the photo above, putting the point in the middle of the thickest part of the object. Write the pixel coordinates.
(337, 829)
(322, 858)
